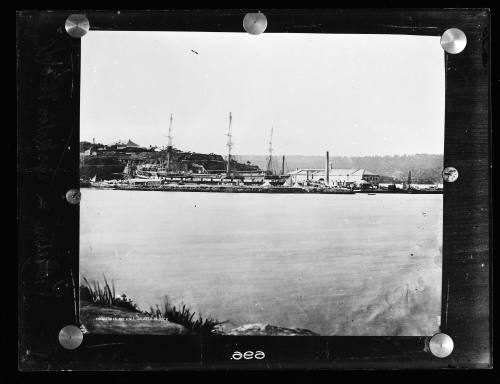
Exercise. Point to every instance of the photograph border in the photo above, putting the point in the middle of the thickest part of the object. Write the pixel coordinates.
(48, 114)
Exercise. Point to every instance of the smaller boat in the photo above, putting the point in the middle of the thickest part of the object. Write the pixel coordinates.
(372, 193)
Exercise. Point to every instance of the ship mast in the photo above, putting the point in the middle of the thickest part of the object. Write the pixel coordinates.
(229, 145)
(169, 145)
(269, 169)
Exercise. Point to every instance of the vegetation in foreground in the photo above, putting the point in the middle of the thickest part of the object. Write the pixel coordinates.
(105, 295)
(184, 316)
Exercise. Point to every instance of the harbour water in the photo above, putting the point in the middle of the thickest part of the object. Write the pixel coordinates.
(334, 264)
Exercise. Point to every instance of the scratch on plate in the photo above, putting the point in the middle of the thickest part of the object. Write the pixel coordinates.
(307, 26)
(103, 345)
(407, 27)
(447, 301)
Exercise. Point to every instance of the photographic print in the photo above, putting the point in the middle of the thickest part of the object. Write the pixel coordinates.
(278, 184)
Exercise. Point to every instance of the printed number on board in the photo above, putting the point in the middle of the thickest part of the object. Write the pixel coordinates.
(248, 355)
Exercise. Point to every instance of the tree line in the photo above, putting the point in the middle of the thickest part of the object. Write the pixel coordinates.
(425, 168)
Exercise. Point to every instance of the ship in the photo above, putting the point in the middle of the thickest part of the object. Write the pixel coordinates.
(271, 179)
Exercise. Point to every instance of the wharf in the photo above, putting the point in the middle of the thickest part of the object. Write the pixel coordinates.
(413, 191)
(222, 188)
(250, 189)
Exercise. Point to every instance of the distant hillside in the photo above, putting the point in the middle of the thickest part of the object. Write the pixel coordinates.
(424, 168)
(108, 162)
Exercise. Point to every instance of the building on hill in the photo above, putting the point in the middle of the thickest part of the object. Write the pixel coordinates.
(337, 177)
(127, 147)
(121, 145)
(131, 144)
(90, 152)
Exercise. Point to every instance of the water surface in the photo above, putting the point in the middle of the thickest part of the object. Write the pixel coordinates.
(335, 264)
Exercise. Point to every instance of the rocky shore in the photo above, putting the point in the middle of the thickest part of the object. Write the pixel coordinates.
(260, 329)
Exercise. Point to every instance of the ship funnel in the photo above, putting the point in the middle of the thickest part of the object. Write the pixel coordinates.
(327, 169)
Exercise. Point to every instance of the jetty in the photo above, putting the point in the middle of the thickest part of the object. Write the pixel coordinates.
(220, 188)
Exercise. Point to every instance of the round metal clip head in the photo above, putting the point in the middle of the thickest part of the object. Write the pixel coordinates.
(255, 23)
(441, 345)
(77, 25)
(450, 174)
(73, 196)
(453, 40)
(70, 337)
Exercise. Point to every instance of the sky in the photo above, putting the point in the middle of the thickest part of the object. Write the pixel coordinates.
(353, 95)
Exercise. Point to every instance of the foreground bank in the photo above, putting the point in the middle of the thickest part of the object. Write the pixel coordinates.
(104, 312)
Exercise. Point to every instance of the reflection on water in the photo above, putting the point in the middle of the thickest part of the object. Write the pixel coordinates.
(335, 264)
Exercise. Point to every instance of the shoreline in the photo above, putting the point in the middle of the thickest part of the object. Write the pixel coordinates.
(247, 189)
(221, 189)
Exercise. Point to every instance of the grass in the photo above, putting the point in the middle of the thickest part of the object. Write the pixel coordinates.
(184, 316)
(105, 296)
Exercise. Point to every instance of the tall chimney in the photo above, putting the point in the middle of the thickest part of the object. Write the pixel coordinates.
(229, 146)
(327, 170)
(169, 145)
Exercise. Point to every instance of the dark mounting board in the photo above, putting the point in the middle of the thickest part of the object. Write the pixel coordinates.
(48, 91)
